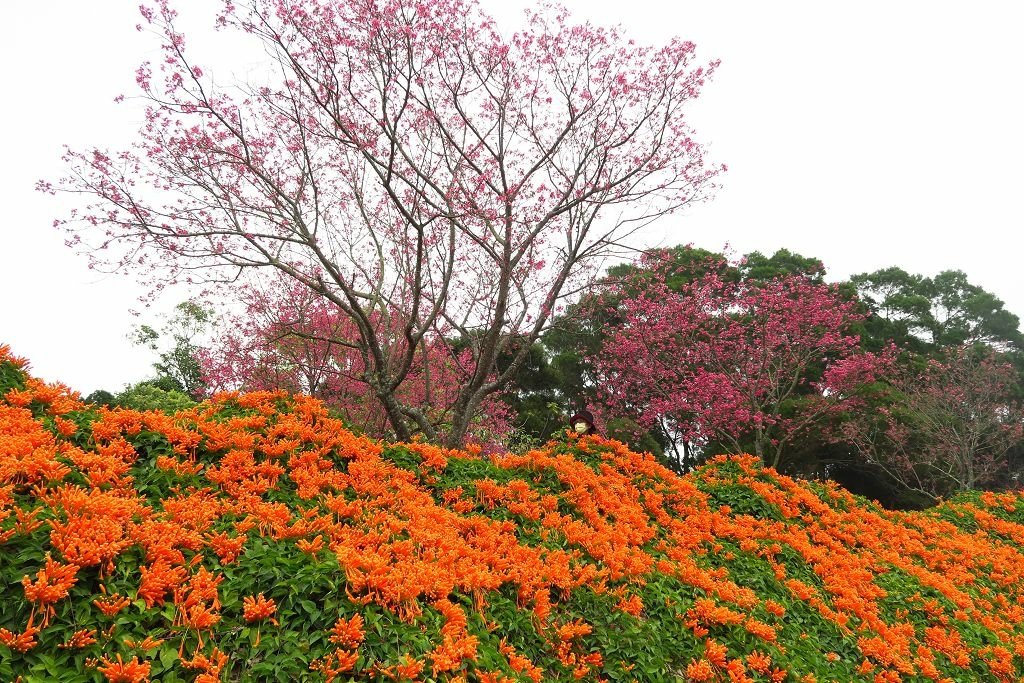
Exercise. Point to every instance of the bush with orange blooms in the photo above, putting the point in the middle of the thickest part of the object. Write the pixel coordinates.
(253, 537)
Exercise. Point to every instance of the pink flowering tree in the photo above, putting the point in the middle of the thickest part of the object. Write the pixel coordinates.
(423, 174)
(289, 338)
(943, 428)
(751, 365)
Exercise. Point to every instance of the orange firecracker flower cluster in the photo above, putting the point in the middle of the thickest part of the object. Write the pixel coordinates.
(258, 608)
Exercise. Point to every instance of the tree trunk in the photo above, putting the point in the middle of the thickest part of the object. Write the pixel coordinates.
(395, 415)
(462, 414)
(759, 443)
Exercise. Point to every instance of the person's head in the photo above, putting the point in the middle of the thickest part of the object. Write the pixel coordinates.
(582, 422)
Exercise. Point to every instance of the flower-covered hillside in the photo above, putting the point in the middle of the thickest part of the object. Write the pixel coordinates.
(255, 538)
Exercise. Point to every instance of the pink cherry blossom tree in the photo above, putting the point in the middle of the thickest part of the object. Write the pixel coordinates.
(429, 177)
(289, 338)
(943, 428)
(743, 363)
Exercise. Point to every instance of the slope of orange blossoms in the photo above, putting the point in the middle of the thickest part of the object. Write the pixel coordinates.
(254, 537)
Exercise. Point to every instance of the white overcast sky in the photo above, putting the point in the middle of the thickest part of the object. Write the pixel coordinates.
(866, 134)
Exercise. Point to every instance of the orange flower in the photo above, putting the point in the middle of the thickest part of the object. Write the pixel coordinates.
(158, 579)
(335, 663)
(759, 662)
(79, 639)
(715, 652)
(52, 584)
(408, 668)
(775, 608)
(760, 629)
(148, 643)
(700, 670)
(112, 604)
(21, 642)
(65, 427)
(209, 665)
(632, 605)
(120, 671)
(311, 547)
(345, 660)
(258, 608)
(348, 632)
(27, 522)
(227, 548)
(519, 663)
(199, 617)
(573, 630)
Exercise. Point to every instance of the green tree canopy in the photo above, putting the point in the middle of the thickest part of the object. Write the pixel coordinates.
(943, 311)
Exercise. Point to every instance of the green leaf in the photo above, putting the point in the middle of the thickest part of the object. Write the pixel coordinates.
(168, 656)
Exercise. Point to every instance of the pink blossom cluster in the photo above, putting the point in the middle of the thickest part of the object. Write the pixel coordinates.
(736, 362)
